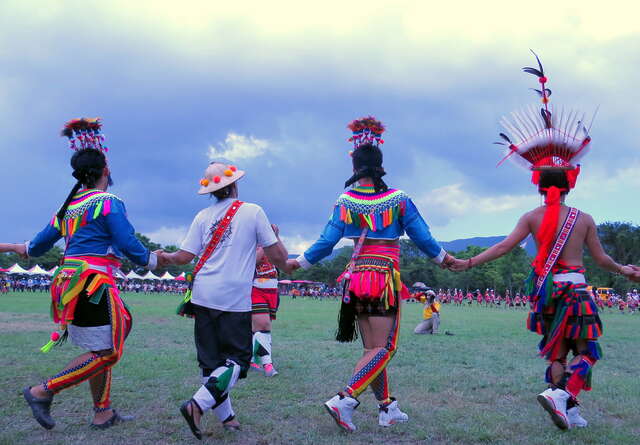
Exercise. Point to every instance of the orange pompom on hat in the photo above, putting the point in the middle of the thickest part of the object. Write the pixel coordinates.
(217, 176)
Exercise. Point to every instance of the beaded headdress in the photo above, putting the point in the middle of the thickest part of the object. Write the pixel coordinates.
(548, 139)
(366, 130)
(84, 133)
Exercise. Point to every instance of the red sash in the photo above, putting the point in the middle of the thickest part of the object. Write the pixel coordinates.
(186, 307)
(554, 255)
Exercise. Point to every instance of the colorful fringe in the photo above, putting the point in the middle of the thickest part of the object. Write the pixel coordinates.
(376, 275)
(72, 277)
(371, 370)
(97, 364)
(573, 311)
(364, 207)
(86, 206)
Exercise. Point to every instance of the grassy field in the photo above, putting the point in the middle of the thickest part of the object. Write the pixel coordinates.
(477, 386)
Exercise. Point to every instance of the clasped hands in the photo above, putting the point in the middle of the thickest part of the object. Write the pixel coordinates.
(454, 264)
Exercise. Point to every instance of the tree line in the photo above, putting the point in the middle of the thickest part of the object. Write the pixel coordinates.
(620, 240)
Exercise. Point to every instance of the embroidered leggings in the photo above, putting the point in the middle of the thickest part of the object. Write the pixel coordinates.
(371, 371)
(96, 366)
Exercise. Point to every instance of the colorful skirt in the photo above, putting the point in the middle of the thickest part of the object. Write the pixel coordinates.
(82, 282)
(373, 287)
(569, 312)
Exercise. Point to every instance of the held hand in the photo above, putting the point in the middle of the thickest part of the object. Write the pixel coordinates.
(447, 261)
(162, 258)
(21, 249)
(631, 272)
(292, 266)
(459, 265)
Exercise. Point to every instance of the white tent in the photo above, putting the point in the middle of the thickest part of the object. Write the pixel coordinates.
(167, 276)
(16, 269)
(37, 270)
(52, 270)
(133, 276)
(150, 276)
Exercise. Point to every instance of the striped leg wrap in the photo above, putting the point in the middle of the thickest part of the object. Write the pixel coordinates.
(368, 373)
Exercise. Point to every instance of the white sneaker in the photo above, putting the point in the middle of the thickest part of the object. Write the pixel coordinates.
(575, 419)
(554, 401)
(341, 408)
(391, 414)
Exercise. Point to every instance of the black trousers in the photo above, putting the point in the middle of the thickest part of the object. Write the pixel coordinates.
(222, 336)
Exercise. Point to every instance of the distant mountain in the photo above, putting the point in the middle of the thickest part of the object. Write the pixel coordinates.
(485, 241)
(460, 245)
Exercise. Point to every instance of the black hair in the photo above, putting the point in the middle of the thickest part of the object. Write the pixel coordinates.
(550, 178)
(88, 166)
(224, 192)
(367, 163)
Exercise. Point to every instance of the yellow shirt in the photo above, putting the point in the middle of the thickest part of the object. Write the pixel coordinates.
(427, 313)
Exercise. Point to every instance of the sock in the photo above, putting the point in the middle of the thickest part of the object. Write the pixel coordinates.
(262, 347)
(217, 387)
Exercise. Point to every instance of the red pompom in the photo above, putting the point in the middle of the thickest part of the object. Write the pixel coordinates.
(542, 79)
(55, 336)
(216, 179)
(233, 168)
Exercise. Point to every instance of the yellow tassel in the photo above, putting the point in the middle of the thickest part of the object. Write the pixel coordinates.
(48, 346)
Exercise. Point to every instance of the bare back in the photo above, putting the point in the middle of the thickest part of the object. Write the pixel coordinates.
(573, 250)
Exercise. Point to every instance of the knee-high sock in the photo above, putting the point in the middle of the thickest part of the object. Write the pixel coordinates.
(580, 377)
(222, 409)
(380, 387)
(101, 390)
(217, 387)
(262, 347)
(92, 366)
(380, 358)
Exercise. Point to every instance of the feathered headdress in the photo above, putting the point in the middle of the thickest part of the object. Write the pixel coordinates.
(545, 139)
(84, 133)
(366, 130)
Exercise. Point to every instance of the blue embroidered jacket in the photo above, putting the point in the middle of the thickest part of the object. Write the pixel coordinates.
(95, 224)
(387, 215)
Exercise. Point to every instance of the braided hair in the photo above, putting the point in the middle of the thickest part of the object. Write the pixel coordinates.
(367, 163)
(88, 166)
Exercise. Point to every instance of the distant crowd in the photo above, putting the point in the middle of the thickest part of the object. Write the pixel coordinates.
(490, 298)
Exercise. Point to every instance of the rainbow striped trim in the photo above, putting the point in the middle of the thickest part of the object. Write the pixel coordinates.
(364, 207)
(86, 206)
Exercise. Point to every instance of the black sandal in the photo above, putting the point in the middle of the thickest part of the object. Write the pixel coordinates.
(41, 409)
(188, 416)
(228, 427)
(114, 420)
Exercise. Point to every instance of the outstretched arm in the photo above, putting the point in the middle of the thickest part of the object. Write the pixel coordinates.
(20, 249)
(519, 233)
(179, 258)
(599, 255)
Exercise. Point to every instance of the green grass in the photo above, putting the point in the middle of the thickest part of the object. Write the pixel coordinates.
(478, 386)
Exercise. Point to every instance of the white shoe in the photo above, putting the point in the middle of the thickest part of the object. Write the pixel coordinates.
(554, 401)
(575, 419)
(391, 414)
(341, 408)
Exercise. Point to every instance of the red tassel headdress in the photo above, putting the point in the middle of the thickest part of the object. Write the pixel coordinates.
(547, 139)
(84, 133)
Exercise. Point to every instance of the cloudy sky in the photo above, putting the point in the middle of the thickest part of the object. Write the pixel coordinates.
(272, 85)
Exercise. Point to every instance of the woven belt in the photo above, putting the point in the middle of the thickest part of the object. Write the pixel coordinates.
(573, 277)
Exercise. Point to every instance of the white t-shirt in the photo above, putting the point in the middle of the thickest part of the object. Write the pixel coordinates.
(224, 282)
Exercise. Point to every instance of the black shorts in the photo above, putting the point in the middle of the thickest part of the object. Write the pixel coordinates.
(88, 313)
(222, 336)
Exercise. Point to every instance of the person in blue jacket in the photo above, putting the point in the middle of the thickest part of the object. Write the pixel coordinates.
(85, 299)
(375, 217)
